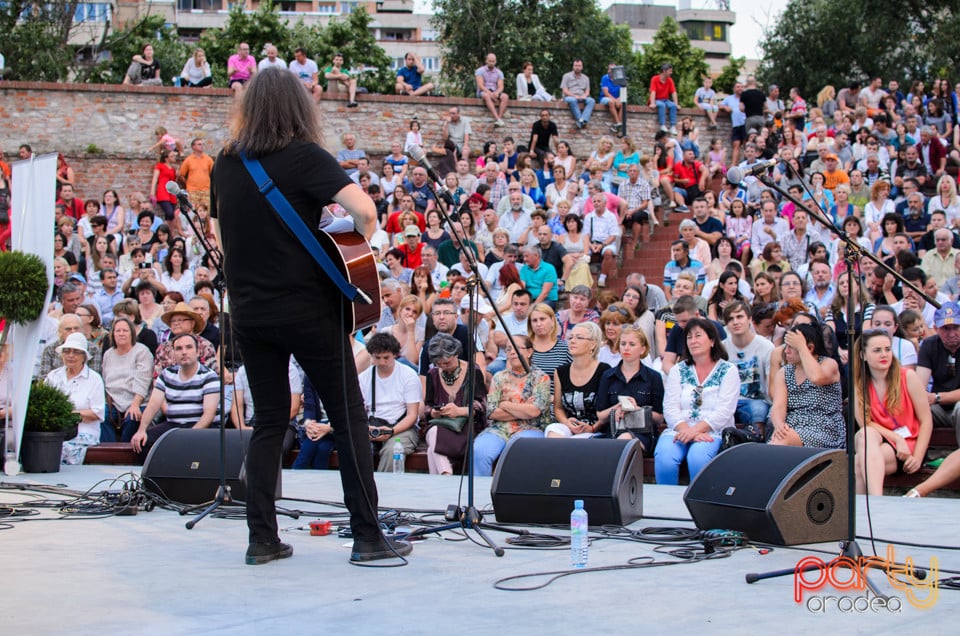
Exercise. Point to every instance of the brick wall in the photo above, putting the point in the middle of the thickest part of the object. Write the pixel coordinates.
(119, 121)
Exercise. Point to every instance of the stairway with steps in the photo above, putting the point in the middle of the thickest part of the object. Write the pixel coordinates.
(649, 257)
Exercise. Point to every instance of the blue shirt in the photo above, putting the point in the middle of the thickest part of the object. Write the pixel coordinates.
(737, 116)
(410, 76)
(607, 83)
(534, 279)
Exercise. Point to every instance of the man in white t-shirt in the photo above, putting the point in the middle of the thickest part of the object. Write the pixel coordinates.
(391, 392)
(271, 60)
(306, 69)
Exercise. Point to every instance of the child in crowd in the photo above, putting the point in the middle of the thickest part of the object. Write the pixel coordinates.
(166, 140)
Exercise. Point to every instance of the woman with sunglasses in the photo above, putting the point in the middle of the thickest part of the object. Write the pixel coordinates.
(893, 414)
(700, 399)
(807, 398)
(612, 320)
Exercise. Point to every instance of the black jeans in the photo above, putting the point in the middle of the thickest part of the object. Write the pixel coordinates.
(327, 359)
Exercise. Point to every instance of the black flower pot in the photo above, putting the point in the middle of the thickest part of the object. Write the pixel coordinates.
(40, 451)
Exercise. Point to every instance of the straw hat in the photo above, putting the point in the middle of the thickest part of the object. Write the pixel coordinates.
(183, 309)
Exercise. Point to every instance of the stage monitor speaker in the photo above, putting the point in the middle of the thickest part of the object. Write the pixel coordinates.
(538, 479)
(783, 495)
(184, 465)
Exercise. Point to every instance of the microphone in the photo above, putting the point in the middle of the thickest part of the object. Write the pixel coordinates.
(182, 197)
(736, 175)
(417, 154)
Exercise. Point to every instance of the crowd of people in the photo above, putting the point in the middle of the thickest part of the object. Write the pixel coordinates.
(746, 339)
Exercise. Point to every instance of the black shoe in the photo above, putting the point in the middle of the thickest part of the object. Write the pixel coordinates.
(260, 553)
(352, 105)
(379, 549)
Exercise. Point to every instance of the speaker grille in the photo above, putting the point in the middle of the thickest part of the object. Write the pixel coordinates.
(820, 506)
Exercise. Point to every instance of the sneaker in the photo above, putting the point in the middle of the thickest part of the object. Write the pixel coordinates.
(382, 548)
(912, 493)
(579, 124)
(260, 553)
(673, 130)
(666, 216)
(602, 281)
(663, 129)
(582, 123)
(682, 208)
(935, 463)
(615, 128)
(352, 104)
(499, 123)
(711, 127)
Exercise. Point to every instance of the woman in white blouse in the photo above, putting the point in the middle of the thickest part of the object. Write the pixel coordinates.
(84, 387)
(700, 399)
(529, 86)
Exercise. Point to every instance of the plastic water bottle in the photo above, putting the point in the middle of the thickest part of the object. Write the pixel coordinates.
(397, 456)
(579, 542)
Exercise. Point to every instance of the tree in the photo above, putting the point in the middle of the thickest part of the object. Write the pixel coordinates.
(35, 39)
(550, 34)
(352, 38)
(168, 49)
(729, 75)
(671, 45)
(820, 42)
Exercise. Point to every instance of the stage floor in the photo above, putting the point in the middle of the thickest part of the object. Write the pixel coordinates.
(147, 574)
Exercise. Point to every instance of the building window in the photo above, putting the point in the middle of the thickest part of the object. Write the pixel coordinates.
(327, 8)
(92, 12)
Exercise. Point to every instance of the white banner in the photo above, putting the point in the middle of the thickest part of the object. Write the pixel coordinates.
(32, 218)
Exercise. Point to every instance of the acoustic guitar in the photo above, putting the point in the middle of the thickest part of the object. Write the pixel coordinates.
(352, 255)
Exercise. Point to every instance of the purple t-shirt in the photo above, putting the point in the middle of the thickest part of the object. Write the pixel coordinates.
(490, 78)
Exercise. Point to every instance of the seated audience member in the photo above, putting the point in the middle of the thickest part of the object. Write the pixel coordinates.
(578, 311)
(183, 320)
(392, 393)
(575, 385)
(516, 325)
(683, 309)
(529, 87)
(84, 387)
(410, 77)
(186, 394)
(549, 351)
(51, 359)
(937, 367)
(700, 399)
(614, 317)
(446, 404)
(635, 381)
(885, 317)
(947, 473)
(408, 330)
(898, 422)
(751, 355)
(127, 375)
(807, 399)
(518, 404)
(315, 433)
(681, 262)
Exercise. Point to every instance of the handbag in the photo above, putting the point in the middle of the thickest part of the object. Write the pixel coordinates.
(455, 424)
(734, 436)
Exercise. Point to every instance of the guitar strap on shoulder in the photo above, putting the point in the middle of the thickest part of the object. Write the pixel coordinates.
(299, 228)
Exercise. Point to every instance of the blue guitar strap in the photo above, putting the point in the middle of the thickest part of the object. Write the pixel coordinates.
(279, 203)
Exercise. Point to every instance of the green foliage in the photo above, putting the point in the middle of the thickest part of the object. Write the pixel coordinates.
(261, 27)
(123, 45)
(671, 44)
(550, 34)
(49, 410)
(728, 76)
(352, 37)
(820, 42)
(23, 286)
(35, 46)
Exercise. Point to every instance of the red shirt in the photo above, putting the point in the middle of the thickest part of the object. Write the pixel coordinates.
(74, 209)
(393, 221)
(414, 258)
(167, 174)
(662, 89)
(683, 171)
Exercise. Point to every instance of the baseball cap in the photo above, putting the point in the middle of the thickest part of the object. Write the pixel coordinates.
(831, 155)
(77, 276)
(948, 314)
(411, 230)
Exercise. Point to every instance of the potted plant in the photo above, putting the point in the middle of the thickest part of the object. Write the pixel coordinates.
(49, 420)
(23, 292)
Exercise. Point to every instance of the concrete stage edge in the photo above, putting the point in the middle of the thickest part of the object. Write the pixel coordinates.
(148, 575)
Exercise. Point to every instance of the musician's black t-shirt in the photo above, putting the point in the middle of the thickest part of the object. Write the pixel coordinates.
(271, 278)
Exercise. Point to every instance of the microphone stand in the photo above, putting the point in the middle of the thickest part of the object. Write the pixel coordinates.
(223, 495)
(468, 517)
(850, 553)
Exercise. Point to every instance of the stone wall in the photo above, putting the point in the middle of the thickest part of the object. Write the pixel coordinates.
(117, 124)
